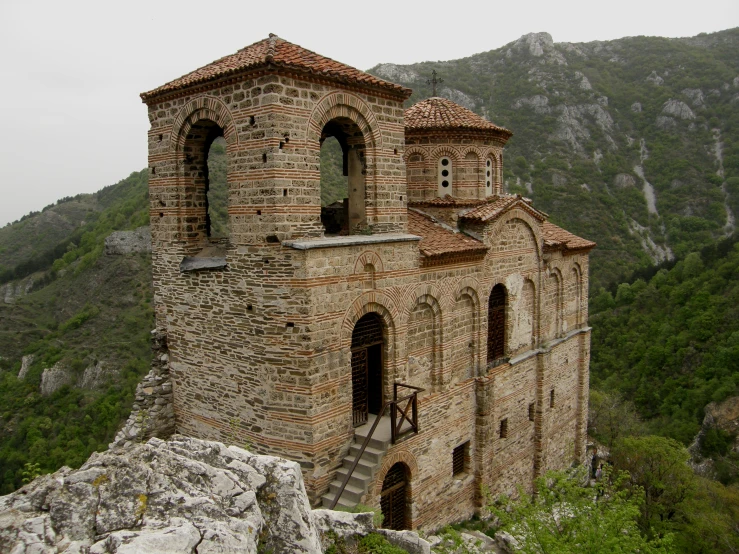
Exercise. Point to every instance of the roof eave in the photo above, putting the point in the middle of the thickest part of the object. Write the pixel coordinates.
(398, 91)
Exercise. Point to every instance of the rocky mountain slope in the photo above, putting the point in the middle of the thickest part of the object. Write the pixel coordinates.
(630, 142)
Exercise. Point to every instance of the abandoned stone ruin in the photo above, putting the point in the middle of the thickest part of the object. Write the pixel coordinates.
(433, 343)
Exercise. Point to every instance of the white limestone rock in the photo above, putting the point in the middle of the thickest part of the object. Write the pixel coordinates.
(128, 242)
(26, 362)
(55, 377)
(539, 103)
(636, 107)
(654, 78)
(624, 180)
(396, 73)
(677, 108)
(96, 375)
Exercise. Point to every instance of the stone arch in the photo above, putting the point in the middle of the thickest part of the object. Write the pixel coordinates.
(471, 149)
(204, 107)
(553, 303)
(444, 150)
(412, 150)
(436, 336)
(532, 225)
(370, 301)
(345, 105)
(475, 342)
(394, 457)
(574, 315)
(368, 257)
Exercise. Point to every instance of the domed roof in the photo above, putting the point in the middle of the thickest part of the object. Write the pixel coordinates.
(441, 113)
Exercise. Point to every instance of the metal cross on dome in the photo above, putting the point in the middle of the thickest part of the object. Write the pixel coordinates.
(433, 82)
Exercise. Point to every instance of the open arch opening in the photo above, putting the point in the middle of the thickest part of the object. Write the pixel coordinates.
(343, 173)
(497, 324)
(367, 362)
(394, 498)
(205, 174)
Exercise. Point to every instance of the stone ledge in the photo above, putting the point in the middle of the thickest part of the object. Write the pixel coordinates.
(194, 263)
(351, 240)
(544, 349)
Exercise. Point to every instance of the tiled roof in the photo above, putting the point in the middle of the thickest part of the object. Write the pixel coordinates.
(440, 113)
(439, 240)
(556, 237)
(499, 204)
(280, 53)
(447, 200)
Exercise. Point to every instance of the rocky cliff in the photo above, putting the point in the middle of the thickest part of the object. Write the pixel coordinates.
(178, 496)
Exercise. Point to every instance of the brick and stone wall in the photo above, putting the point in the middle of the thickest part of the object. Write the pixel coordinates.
(260, 338)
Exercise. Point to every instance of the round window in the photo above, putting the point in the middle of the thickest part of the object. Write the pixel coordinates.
(445, 161)
(488, 173)
(488, 163)
(445, 173)
(488, 184)
(445, 184)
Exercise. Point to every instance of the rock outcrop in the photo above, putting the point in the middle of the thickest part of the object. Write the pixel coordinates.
(55, 377)
(26, 362)
(182, 495)
(128, 242)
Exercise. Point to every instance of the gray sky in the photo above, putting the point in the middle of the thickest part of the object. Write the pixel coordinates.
(72, 70)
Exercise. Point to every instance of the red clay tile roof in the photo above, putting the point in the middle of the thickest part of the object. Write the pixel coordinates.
(280, 53)
(556, 237)
(447, 201)
(440, 113)
(499, 204)
(438, 240)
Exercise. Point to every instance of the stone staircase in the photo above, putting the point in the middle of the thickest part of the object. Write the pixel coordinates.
(367, 466)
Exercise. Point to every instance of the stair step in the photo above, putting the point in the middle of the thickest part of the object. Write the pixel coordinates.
(365, 467)
(377, 444)
(327, 498)
(351, 493)
(371, 454)
(356, 480)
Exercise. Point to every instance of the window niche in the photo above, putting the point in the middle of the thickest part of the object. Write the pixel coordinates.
(444, 176)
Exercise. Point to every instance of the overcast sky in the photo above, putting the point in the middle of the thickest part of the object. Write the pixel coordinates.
(71, 71)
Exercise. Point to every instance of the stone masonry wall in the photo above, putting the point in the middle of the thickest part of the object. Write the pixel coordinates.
(259, 346)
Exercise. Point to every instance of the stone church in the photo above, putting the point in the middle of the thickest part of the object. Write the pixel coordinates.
(433, 346)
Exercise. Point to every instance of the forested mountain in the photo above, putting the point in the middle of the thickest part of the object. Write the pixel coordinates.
(631, 143)
(598, 129)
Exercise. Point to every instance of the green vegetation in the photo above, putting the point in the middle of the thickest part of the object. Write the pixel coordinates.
(564, 516)
(567, 152)
(334, 187)
(671, 343)
(85, 309)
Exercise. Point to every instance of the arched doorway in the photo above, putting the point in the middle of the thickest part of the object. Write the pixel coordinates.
(394, 498)
(367, 347)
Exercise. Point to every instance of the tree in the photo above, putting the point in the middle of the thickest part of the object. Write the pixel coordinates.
(564, 516)
(658, 468)
(611, 417)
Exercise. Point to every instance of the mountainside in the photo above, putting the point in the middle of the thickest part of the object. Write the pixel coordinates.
(627, 142)
(596, 126)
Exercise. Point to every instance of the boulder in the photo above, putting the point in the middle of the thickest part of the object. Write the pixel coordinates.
(677, 108)
(178, 496)
(26, 362)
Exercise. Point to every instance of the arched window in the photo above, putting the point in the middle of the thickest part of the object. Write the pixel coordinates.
(342, 177)
(489, 169)
(444, 176)
(205, 169)
(497, 323)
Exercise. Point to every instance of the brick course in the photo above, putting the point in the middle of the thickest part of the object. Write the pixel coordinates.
(259, 345)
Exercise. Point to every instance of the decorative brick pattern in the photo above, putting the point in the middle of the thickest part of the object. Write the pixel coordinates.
(260, 344)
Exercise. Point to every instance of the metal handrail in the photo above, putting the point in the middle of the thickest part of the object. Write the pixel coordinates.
(393, 434)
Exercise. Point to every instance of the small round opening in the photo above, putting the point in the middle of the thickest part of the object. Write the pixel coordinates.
(445, 184)
(488, 163)
(445, 162)
(488, 173)
(445, 173)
